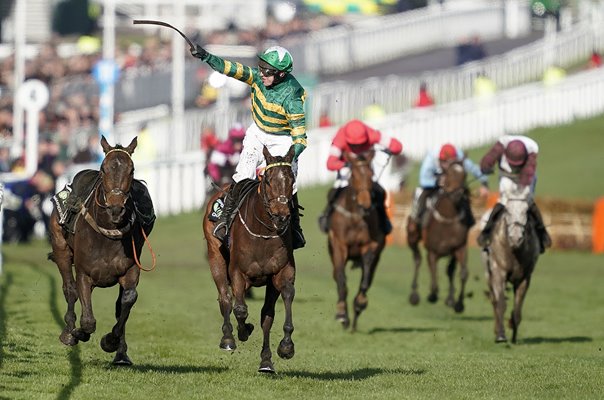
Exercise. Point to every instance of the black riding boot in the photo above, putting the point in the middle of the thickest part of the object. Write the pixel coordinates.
(419, 208)
(298, 240)
(545, 240)
(324, 217)
(380, 198)
(484, 239)
(222, 225)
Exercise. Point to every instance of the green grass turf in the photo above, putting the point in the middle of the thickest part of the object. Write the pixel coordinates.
(400, 351)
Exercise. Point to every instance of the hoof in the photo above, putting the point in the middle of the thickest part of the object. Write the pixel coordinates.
(343, 319)
(244, 334)
(81, 335)
(110, 343)
(459, 307)
(122, 360)
(266, 367)
(433, 298)
(450, 302)
(414, 299)
(68, 339)
(228, 344)
(286, 349)
(501, 339)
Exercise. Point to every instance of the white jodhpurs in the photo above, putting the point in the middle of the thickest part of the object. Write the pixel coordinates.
(251, 157)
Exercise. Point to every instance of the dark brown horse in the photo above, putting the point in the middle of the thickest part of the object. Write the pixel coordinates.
(106, 241)
(355, 235)
(259, 254)
(511, 257)
(445, 234)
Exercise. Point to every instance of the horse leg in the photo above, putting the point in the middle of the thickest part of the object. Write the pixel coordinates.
(417, 258)
(116, 339)
(267, 316)
(462, 258)
(244, 329)
(338, 259)
(218, 268)
(432, 260)
(370, 260)
(497, 294)
(451, 275)
(63, 257)
(284, 283)
(87, 321)
(519, 294)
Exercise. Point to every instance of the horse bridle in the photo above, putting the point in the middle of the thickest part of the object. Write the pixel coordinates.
(114, 191)
(281, 199)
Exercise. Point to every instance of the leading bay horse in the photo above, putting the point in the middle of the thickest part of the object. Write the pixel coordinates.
(445, 234)
(102, 249)
(511, 257)
(355, 235)
(259, 253)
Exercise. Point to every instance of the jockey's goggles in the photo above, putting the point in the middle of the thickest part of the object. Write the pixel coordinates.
(268, 72)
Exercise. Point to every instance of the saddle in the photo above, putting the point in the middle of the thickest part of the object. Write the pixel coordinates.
(70, 200)
(238, 192)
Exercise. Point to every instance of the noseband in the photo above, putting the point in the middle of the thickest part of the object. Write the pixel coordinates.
(281, 199)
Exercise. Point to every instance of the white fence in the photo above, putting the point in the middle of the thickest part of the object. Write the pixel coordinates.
(177, 186)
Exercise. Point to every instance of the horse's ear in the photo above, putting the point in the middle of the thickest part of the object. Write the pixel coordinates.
(267, 154)
(290, 154)
(132, 145)
(105, 145)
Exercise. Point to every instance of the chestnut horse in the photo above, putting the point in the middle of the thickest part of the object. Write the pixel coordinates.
(103, 249)
(511, 257)
(445, 234)
(355, 235)
(259, 253)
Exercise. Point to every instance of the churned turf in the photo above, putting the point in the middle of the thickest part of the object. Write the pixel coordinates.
(400, 351)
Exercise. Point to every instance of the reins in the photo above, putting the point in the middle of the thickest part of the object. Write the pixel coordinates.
(138, 264)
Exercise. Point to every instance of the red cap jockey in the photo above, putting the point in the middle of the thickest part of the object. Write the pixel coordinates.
(356, 137)
(447, 152)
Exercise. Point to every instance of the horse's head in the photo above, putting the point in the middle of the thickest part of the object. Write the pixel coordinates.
(453, 181)
(117, 172)
(516, 216)
(277, 186)
(361, 176)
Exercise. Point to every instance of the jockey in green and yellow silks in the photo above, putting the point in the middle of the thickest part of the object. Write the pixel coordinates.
(277, 101)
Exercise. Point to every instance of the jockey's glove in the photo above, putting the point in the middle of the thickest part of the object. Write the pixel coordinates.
(199, 52)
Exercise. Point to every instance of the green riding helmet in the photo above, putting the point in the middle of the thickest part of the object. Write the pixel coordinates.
(278, 58)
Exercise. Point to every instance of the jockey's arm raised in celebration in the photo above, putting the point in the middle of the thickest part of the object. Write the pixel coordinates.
(279, 120)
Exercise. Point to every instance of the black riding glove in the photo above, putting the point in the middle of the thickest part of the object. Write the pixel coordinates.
(198, 52)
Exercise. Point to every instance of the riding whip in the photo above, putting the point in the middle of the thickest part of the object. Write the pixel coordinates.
(161, 23)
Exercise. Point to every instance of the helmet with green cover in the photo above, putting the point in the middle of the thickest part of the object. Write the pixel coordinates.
(278, 58)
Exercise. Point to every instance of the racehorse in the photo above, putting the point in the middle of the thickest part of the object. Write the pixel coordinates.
(511, 257)
(445, 234)
(355, 235)
(259, 252)
(103, 248)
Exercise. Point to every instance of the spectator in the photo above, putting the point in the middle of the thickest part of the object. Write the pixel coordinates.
(595, 61)
(324, 120)
(553, 75)
(146, 150)
(470, 50)
(424, 99)
(484, 87)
